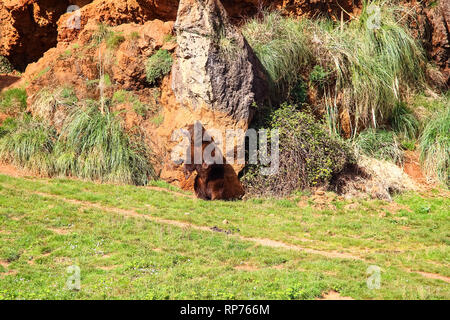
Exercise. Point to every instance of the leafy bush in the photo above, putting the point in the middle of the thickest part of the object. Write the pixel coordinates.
(93, 146)
(435, 146)
(13, 101)
(158, 65)
(5, 65)
(309, 156)
(404, 122)
(379, 144)
(29, 145)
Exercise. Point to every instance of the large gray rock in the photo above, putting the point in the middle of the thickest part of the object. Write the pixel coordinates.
(215, 66)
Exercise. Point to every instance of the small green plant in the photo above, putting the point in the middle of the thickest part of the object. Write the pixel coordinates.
(157, 120)
(134, 35)
(123, 96)
(435, 146)
(169, 38)
(103, 31)
(158, 65)
(5, 65)
(113, 40)
(13, 101)
(318, 76)
(380, 144)
(8, 125)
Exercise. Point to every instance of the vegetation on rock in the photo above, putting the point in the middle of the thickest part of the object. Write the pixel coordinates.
(158, 65)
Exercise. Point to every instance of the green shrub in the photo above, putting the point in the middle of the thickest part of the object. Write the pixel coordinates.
(309, 156)
(379, 144)
(8, 125)
(404, 122)
(13, 101)
(5, 65)
(158, 65)
(93, 146)
(29, 145)
(435, 146)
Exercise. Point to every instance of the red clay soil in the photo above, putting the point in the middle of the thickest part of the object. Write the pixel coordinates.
(7, 80)
(412, 167)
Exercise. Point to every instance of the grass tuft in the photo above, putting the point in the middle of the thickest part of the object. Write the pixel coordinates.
(13, 101)
(435, 146)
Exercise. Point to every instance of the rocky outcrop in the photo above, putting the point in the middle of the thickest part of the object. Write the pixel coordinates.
(216, 78)
(215, 66)
(431, 24)
(113, 13)
(28, 28)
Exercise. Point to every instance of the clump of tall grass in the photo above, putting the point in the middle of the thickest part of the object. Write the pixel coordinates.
(92, 145)
(366, 70)
(379, 144)
(48, 100)
(435, 146)
(282, 48)
(30, 145)
(374, 67)
(158, 65)
(404, 122)
(13, 101)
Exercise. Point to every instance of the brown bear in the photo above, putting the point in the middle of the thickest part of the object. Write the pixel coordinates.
(216, 181)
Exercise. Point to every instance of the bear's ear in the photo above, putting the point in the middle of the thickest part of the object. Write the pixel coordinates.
(205, 166)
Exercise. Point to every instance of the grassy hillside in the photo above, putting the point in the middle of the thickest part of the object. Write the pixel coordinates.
(160, 243)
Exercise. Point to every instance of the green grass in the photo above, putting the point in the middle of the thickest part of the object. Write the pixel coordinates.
(136, 258)
(435, 146)
(123, 96)
(281, 46)
(13, 101)
(404, 122)
(380, 144)
(158, 65)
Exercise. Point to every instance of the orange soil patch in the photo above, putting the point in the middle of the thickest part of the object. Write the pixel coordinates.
(433, 276)
(411, 167)
(13, 171)
(333, 295)
(59, 230)
(7, 80)
(246, 267)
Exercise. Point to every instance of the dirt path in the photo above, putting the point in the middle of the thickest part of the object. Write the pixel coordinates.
(185, 225)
